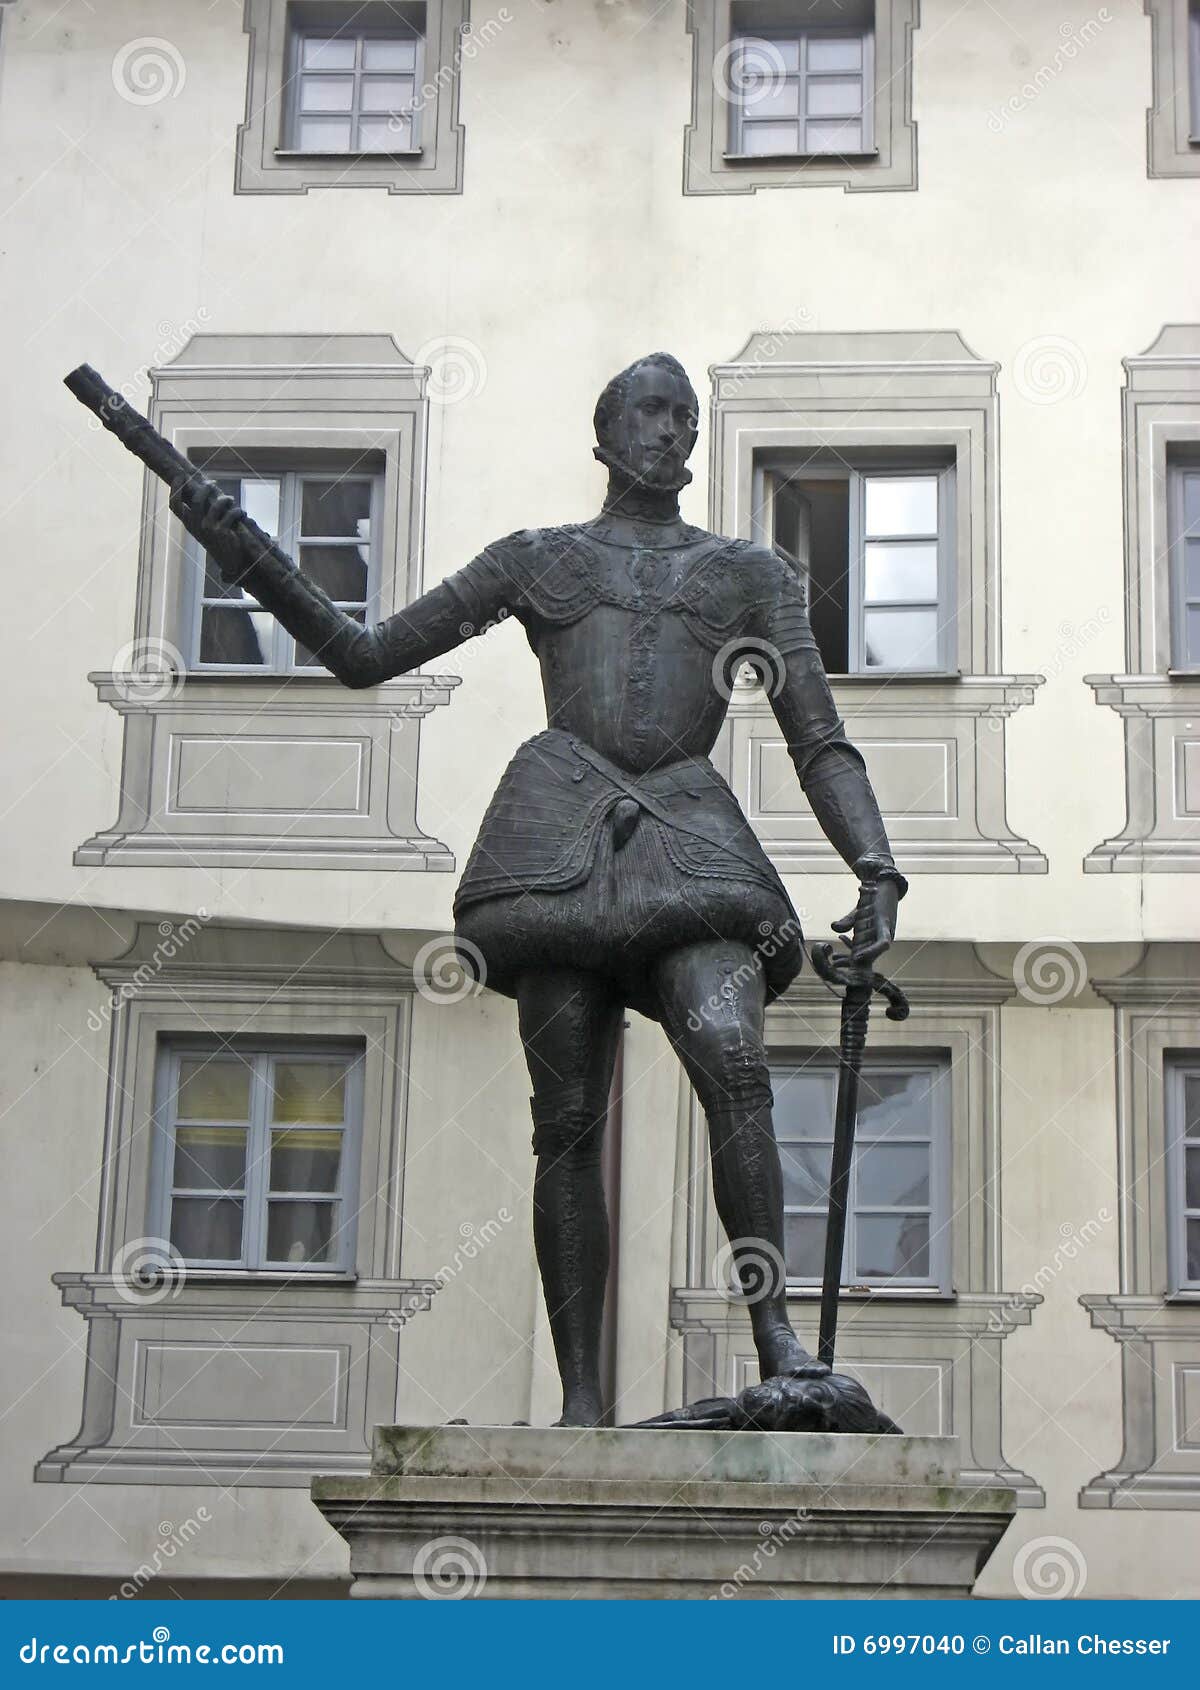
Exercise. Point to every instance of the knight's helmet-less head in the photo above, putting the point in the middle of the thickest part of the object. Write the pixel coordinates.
(646, 423)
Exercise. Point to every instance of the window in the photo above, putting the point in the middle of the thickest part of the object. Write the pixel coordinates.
(804, 92)
(328, 523)
(356, 94)
(1173, 121)
(1193, 58)
(1184, 528)
(874, 547)
(1183, 1171)
(256, 1155)
(354, 88)
(897, 1230)
(801, 94)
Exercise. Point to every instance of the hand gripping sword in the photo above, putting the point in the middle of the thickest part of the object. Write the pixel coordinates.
(858, 986)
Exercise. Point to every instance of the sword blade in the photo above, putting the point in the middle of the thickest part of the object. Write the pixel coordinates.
(856, 1012)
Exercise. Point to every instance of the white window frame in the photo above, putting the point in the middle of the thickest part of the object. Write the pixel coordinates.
(256, 1196)
(300, 31)
(1179, 472)
(1178, 1071)
(856, 472)
(1193, 71)
(940, 1276)
(802, 37)
(291, 479)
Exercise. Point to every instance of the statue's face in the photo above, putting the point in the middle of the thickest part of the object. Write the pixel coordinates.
(656, 430)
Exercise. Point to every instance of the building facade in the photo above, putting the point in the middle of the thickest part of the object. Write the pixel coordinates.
(931, 268)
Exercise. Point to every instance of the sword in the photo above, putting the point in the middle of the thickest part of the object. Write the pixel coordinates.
(858, 986)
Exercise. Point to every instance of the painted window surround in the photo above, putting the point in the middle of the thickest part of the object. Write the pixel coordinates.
(935, 745)
(933, 1361)
(224, 1376)
(1157, 704)
(279, 771)
(267, 165)
(1156, 1014)
(1172, 121)
(708, 167)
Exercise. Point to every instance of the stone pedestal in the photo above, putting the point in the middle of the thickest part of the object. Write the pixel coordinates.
(507, 1511)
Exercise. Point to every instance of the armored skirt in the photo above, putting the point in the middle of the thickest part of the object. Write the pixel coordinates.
(581, 865)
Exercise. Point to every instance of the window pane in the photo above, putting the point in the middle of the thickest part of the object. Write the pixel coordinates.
(1193, 1250)
(896, 1105)
(1191, 554)
(898, 505)
(216, 587)
(210, 1157)
(1192, 635)
(835, 96)
(773, 100)
(901, 639)
(825, 53)
(892, 1175)
(386, 93)
(1191, 1105)
(299, 1232)
(900, 572)
(326, 93)
(260, 501)
(338, 570)
(832, 137)
(804, 1245)
(764, 61)
(328, 54)
(765, 138)
(890, 1245)
(305, 1159)
(309, 1091)
(335, 509)
(389, 55)
(323, 134)
(236, 636)
(384, 134)
(805, 1173)
(213, 1089)
(803, 1104)
(207, 1229)
(1191, 504)
(1191, 1158)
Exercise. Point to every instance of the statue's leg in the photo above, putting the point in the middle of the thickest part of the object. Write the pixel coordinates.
(570, 1023)
(711, 999)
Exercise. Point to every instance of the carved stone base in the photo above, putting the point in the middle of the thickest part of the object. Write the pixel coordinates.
(560, 1513)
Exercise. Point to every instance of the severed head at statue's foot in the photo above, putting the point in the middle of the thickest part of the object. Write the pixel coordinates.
(614, 868)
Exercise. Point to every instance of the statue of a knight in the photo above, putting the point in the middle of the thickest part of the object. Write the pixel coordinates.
(614, 866)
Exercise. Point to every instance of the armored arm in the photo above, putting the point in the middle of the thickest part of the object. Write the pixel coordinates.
(831, 770)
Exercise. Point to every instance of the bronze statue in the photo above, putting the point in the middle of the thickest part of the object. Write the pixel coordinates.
(614, 867)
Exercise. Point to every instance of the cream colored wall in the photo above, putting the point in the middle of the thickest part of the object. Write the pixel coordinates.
(571, 250)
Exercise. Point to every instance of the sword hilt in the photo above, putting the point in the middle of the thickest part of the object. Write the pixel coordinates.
(839, 970)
